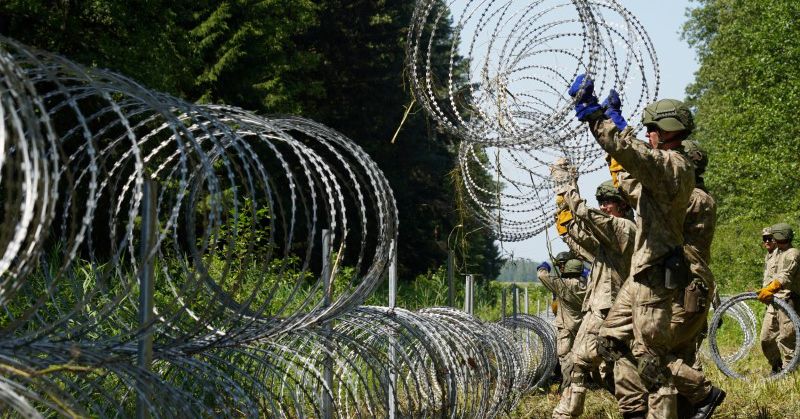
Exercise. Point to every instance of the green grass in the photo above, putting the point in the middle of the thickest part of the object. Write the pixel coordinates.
(754, 398)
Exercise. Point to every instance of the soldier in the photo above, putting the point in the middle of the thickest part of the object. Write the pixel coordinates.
(570, 288)
(781, 280)
(658, 267)
(769, 346)
(614, 234)
(559, 261)
(690, 310)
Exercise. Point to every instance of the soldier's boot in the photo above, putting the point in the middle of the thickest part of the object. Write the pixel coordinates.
(571, 403)
(706, 407)
(634, 415)
(777, 367)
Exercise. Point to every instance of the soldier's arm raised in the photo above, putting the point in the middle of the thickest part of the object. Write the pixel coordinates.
(597, 223)
(653, 168)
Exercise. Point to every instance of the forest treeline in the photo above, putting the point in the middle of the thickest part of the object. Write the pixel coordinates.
(340, 62)
(746, 94)
(519, 270)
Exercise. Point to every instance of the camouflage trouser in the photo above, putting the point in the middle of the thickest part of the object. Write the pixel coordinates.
(641, 316)
(584, 357)
(618, 324)
(565, 338)
(777, 337)
(681, 332)
(687, 329)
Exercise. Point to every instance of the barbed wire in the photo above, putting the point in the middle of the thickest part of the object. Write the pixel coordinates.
(250, 315)
(725, 364)
(744, 317)
(503, 92)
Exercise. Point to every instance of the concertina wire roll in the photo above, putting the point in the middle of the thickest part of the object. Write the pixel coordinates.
(502, 90)
(243, 323)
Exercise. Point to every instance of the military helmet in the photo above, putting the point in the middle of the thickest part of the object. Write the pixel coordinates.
(573, 267)
(608, 192)
(782, 232)
(697, 154)
(669, 115)
(563, 257)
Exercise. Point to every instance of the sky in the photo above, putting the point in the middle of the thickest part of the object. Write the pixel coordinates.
(663, 22)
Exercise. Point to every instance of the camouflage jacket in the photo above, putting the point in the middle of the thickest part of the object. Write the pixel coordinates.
(580, 241)
(768, 270)
(666, 180)
(611, 264)
(698, 231)
(570, 293)
(785, 268)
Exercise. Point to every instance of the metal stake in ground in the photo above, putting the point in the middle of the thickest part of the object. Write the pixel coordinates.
(327, 374)
(146, 289)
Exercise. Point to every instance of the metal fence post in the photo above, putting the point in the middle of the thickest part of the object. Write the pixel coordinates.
(451, 286)
(392, 356)
(468, 294)
(526, 301)
(503, 304)
(149, 234)
(327, 373)
(515, 300)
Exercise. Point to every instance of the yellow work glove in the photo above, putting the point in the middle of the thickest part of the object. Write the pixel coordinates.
(554, 307)
(562, 219)
(614, 167)
(560, 204)
(765, 294)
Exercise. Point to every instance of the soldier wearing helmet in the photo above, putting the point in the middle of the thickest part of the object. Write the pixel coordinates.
(690, 309)
(781, 280)
(665, 180)
(614, 234)
(569, 289)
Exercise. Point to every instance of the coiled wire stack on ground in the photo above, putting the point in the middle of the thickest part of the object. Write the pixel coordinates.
(243, 320)
(745, 319)
(733, 305)
(503, 92)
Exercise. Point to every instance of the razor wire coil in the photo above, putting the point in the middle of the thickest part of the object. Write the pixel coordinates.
(503, 92)
(244, 319)
(724, 364)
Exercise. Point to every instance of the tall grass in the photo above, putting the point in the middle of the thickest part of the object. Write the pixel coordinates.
(752, 398)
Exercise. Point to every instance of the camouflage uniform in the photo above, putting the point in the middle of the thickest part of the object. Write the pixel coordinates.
(666, 181)
(575, 235)
(769, 344)
(570, 293)
(580, 242)
(777, 330)
(610, 267)
(687, 327)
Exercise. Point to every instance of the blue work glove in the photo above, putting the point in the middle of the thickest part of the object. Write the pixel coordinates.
(588, 88)
(587, 103)
(613, 109)
(585, 273)
(544, 265)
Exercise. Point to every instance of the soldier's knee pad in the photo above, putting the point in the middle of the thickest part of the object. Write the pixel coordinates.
(653, 371)
(609, 348)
